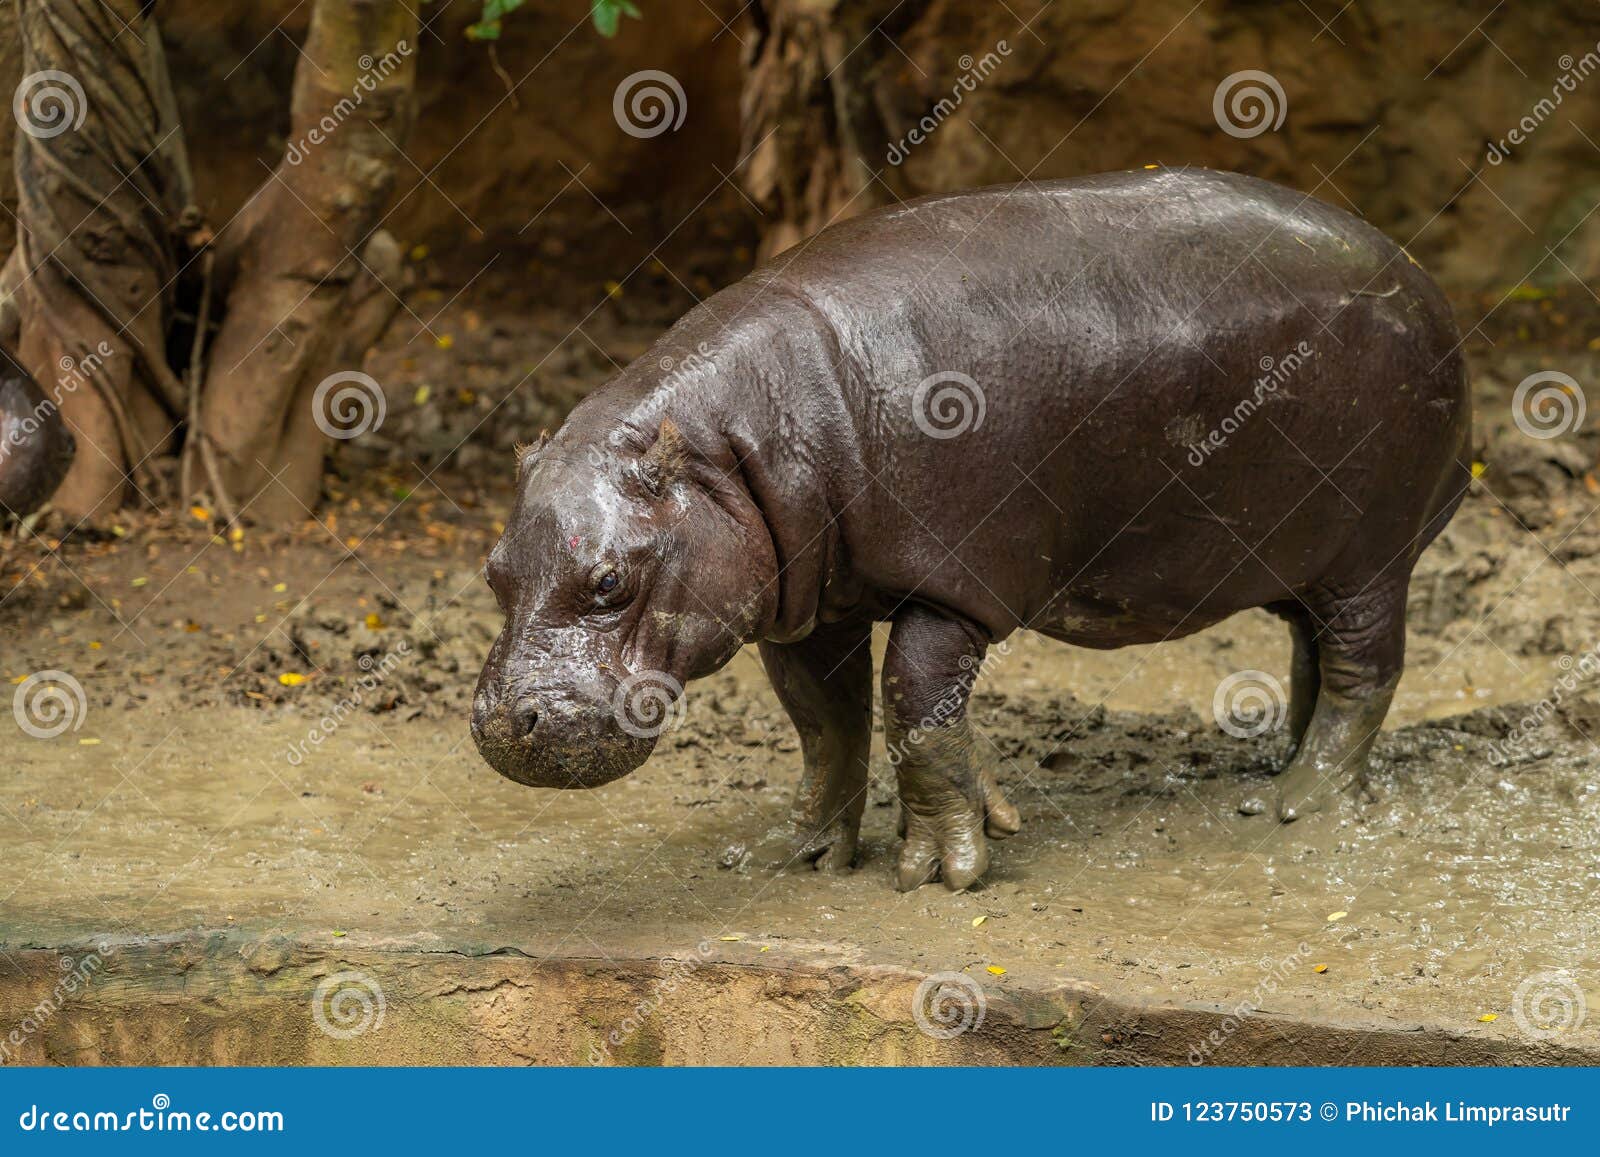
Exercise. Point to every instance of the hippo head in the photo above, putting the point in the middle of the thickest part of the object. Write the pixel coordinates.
(624, 571)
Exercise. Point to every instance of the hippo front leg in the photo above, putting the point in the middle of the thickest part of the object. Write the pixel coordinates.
(948, 796)
(825, 684)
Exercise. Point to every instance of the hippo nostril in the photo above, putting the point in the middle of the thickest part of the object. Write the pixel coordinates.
(524, 718)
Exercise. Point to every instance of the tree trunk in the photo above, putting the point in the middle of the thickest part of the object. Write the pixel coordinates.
(104, 194)
(808, 122)
(215, 344)
(311, 285)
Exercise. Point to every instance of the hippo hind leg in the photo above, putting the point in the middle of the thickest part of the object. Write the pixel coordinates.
(1360, 651)
(950, 803)
(825, 684)
(1305, 675)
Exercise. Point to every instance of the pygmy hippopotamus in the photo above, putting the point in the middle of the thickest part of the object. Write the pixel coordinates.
(1110, 410)
(35, 446)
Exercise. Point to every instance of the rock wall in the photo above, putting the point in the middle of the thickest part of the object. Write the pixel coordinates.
(529, 154)
(1387, 108)
(834, 106)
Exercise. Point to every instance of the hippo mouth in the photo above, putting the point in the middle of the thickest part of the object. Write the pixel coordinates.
(560, 746)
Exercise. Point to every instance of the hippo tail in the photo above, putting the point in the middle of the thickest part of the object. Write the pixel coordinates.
(35, 446)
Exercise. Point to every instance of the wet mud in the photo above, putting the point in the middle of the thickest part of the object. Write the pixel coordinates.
(273, 749)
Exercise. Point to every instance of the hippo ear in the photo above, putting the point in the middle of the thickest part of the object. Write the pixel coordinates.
(526, 454)
(663, 463)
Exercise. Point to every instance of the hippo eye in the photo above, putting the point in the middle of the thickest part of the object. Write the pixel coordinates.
(607, 587)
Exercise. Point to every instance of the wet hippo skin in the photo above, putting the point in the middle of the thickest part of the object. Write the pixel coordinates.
(35, 446)
(1111, 410)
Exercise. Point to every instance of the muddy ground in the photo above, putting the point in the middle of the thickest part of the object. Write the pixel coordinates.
(274, 747)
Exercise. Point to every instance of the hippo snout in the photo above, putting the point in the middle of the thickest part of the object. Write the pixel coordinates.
(554, 739)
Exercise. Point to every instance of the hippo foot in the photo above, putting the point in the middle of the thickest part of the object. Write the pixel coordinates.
(949, 844)
(793, 845)
(1304, 791)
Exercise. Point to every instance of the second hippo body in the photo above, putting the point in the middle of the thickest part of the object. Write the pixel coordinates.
(1112, 410)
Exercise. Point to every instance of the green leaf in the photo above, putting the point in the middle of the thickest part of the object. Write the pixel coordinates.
(607, 15)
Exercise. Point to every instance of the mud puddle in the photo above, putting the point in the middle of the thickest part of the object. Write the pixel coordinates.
(1433, 902)
(344, 805)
